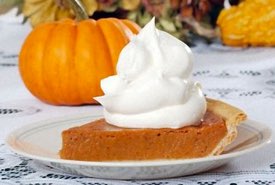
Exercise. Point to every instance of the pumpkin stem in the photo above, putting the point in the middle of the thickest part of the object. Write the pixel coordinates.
(79, 10)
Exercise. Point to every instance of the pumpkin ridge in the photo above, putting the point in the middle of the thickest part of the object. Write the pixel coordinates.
(74, 96)
(66, 92)
(123, 27)
(52, 68)
(96, 60)
(50, 96)
(100, 29)
(31, 81)
(132, 26)
(79, 58)
(89, 37)
(120, 38)
(74, 74)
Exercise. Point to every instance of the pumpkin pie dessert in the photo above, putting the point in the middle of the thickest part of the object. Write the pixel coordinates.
(101, 141)
(152, 108)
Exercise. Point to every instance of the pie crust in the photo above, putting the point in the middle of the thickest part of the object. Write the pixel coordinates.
(232, 116)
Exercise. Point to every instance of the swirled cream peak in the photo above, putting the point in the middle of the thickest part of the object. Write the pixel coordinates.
(152, 88)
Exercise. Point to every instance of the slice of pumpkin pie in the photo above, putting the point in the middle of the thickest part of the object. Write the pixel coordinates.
(101, 141)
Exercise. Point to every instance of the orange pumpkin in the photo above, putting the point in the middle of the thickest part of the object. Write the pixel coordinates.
(63, 62)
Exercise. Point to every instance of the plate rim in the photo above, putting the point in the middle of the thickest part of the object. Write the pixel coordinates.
(10, 139)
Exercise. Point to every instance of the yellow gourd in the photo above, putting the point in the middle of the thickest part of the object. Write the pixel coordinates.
(252, 22)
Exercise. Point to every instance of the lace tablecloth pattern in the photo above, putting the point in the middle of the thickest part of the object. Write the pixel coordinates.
(244, 77)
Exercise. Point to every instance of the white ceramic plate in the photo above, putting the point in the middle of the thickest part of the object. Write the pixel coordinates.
(42, 141)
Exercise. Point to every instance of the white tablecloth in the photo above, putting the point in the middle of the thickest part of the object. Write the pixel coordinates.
(243, 77)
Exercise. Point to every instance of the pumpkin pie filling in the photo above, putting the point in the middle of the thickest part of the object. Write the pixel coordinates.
(100, 141)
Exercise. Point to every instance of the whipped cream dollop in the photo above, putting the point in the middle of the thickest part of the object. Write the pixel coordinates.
(152, 88)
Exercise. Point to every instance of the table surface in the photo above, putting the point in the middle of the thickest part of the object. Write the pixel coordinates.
(244, 77)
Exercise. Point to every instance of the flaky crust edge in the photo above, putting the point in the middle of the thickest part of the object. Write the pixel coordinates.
(232, 117)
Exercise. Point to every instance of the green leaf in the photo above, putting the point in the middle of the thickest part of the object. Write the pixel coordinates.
(168, 25)
(144, 18)
(132, 16)
(7, 5)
